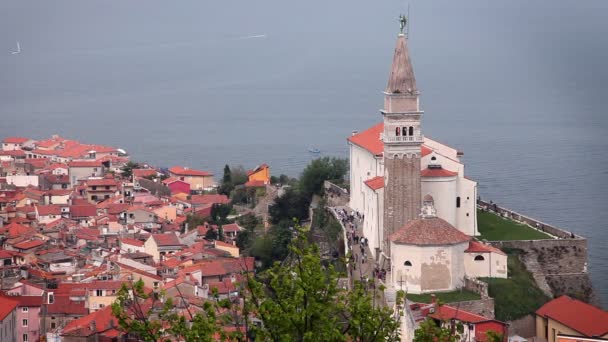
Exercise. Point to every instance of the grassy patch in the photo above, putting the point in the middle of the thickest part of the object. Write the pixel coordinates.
(518, 295)
(495, 228)
(445, 297)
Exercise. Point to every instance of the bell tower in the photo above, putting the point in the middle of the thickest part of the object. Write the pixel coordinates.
(402, 139)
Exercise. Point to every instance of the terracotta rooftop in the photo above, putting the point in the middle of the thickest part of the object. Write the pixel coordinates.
(584, 318)
(375, 183)
(429, 231)
(102, 182)
(28, 244)
(183, 171)
(7, 305)
(446, 313)
(144, 172)
(85, 163)
(132, 242)
(438, 172)
(209, 199)
(52, 209)
(83, 210)
(370, 140)
(478, 247)
(166, 239)
(15, 140)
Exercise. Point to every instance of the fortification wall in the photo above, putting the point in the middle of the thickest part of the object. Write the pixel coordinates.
(559, 265)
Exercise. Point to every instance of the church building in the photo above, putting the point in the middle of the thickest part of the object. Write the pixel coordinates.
(419, 209)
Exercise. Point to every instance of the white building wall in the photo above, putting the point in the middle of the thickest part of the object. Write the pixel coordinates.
(443, 191)
(466, 215)
(373, 218)
(22, 180)
(443, 262)
(363, 167)
(494, 265)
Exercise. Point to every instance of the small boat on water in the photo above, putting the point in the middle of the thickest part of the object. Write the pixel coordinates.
(314, 150)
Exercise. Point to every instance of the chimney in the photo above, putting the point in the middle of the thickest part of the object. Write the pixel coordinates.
(354, 133)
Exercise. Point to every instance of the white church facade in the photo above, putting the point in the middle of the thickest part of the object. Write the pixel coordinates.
(419, 209)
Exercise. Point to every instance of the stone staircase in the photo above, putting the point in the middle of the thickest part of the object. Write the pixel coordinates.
(532, 265)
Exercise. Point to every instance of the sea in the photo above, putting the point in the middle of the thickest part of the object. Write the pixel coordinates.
(521, 87)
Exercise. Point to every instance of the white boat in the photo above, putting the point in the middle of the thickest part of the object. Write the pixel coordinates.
(314, 150)
(18, 49)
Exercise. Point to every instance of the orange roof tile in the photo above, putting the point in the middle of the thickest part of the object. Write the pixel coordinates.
(84, 163)
(375, 183)
(29, 244)
(370, 140)
(182, 171)
(584, 318)
(478, 247)
(429, 231)
(7, 305)
(15, 140)
(438, 172)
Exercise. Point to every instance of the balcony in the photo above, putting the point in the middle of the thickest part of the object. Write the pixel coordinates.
(403, 139)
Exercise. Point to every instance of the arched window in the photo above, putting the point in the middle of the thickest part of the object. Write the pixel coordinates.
(433, 158)
(404, 130)
(458, 202)
(479, 258)
(397, 131)
(407, 263)
(412, 131)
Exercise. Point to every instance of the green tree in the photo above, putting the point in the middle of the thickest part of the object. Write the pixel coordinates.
(227, 186)
(220, 233)
(127, 170)
(429, 331)
(300, 300)
(297, 300)
(492, 336)
(211, 234)
(321, 170)
(219, 213)
(292, 205)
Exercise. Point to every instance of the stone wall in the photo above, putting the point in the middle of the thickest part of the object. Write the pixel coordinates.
(525, 326)
(476, 286)
(559, 265)
(335, 195)
(483, 306)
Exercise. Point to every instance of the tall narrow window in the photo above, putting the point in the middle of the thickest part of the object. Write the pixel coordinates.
(458, 202)
(397, 131)
(404, 130)
(412, 131)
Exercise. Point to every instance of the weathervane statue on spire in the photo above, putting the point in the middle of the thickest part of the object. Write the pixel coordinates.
(402, 22)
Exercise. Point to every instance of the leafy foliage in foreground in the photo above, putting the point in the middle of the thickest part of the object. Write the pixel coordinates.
(297, 300)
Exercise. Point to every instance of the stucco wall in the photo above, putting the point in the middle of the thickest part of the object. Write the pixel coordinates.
(494, 265)
(434, 268)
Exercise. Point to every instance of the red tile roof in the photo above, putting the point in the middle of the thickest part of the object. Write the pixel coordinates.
(83, 210)
(13, 153)
(584, 318)
(446, 313)
(28, 244)
(7, 305)
(102, 182)
(15, 229)
(103, 320)
(15, 140)
(52, 209)
(166, 239)
(438, 172)
(429, 231)
(478, 247)
(144, 172)
(29, 301)
(232, 228)
(375, 183)
(209, 199)
(132, 242)
(370, 140)
(85, 163)
(183, 171)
